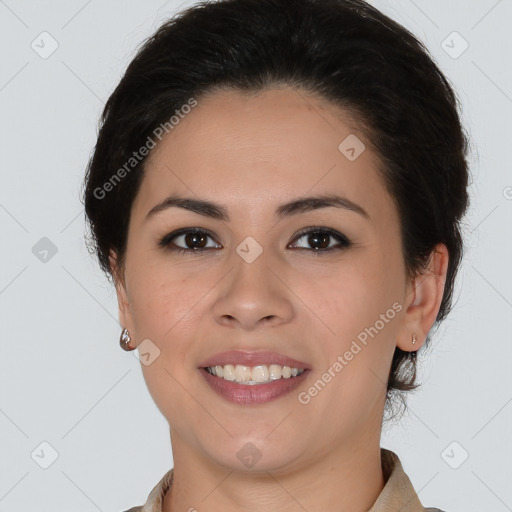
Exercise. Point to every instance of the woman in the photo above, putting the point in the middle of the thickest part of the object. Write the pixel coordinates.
(276, 192)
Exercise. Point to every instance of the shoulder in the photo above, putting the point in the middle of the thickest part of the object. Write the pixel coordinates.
(398, 492)
(155, 497)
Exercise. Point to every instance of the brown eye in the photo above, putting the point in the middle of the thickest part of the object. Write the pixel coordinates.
(194, 240)
(320, 239)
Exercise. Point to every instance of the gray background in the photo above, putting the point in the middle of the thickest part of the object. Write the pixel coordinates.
(64, 380)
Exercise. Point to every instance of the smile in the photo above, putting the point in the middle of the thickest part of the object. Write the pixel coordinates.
(260, 374)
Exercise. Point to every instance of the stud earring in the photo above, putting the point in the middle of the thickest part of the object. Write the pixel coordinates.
(125, 339)
(414, 338)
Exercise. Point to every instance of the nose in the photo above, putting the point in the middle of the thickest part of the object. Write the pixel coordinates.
(254, 294)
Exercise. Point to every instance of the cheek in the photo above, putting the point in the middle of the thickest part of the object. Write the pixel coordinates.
(361, 306)
(356, 353)
(357, 292)
(166, 309)
(164, 298)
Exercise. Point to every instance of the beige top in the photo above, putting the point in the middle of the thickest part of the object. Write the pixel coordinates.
(398, 493)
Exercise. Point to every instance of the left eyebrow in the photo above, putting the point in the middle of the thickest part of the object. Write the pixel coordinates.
(294, 207)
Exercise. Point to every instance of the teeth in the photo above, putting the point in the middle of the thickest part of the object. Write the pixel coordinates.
(261, 374)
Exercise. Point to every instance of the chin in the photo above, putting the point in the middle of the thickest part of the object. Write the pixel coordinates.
(253, 455)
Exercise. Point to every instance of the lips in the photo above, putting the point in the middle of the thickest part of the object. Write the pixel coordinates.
(252, 358)
(257, 394)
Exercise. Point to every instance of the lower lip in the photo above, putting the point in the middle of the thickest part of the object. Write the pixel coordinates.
(247, 394)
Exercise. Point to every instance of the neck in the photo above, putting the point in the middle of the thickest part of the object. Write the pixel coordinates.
(348, 478)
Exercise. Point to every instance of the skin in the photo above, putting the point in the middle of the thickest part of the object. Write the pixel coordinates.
(251, 153)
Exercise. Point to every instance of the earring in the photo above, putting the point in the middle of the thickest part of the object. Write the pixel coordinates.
(125, 339)
(413, 338)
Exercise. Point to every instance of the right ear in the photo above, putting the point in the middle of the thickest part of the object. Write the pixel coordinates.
(125, 316)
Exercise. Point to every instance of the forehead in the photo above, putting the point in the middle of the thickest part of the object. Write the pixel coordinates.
(263, 148)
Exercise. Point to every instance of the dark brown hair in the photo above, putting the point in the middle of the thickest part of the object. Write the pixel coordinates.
(347, 52)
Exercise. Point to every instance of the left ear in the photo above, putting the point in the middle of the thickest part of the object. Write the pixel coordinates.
(425, 294)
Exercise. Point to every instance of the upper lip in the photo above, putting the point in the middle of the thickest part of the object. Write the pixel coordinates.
(252, 358)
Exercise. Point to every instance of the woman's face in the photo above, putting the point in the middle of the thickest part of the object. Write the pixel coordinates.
(339, 308)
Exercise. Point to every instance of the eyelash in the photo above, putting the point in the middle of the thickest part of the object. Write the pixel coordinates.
(165, 242)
